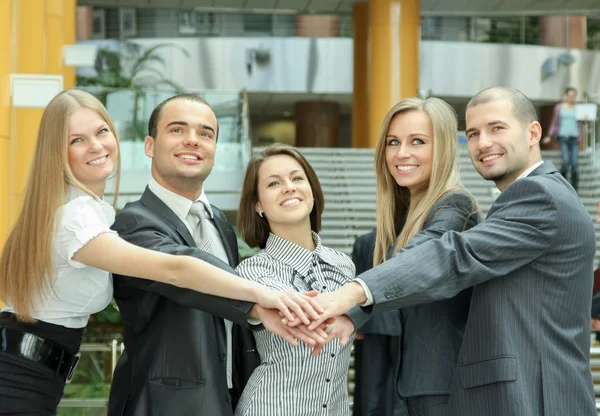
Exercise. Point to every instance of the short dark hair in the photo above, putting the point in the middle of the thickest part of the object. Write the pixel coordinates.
(523, 109)
(255, 229)
(569, 89)
(153, 122)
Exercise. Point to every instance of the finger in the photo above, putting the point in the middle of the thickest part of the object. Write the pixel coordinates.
(309, 305)
(283, 308)
(295, 307)
(318, 338)
(344, 340)
(328, 321)
(293, 323)
(296, 333)
(321, 332)
(315, 305)
(317, 350)
(316, 323)
(289, 338)
(311, 294)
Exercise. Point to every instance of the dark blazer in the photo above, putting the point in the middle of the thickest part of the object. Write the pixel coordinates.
(175, 346)
(433, 332)
(526, 345)
(596, 305)
(387, 323)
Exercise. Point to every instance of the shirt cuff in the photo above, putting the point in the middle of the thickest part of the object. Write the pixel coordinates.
(254, 321)
(367, 291)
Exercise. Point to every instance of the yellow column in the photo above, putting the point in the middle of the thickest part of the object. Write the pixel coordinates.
(69, 37)
(360, 92)
(29, 57)
(410, 38)
(5, 63)
(54, 32)
(394, 35)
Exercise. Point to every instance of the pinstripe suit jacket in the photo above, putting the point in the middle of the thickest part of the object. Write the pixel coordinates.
(526, 345)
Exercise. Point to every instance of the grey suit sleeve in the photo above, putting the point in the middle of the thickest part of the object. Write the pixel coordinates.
(519, 229)
(141, 232)
(456, 211)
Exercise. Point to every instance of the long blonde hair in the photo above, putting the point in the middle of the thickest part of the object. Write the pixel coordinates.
(26, 261)
(394, 202)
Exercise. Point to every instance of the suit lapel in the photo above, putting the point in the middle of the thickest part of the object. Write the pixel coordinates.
(153, 203)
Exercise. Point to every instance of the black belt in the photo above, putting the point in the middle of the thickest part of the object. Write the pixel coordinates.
(39, 350)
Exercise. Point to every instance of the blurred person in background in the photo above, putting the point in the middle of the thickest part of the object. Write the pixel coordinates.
(569, 132)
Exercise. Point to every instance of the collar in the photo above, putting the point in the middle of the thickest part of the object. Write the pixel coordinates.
(295, 256)
(180, 205)
(531, 169)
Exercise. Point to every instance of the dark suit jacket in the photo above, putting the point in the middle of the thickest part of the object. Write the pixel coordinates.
(433, 332)
(526, 346)
(175, 348)
(596, 306)
(389, 322)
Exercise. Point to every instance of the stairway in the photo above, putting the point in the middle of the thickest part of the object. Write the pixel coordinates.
(348, 180)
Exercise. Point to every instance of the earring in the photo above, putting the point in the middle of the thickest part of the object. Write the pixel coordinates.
(260, 214)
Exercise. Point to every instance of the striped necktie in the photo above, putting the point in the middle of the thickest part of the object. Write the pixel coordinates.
(205, 233)
(208, 239)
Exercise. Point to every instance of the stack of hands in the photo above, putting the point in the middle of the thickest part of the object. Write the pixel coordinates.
(310, 317)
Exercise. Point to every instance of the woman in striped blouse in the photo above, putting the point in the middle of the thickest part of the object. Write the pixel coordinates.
(280, 212)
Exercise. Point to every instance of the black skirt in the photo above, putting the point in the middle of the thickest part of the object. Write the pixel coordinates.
(28, 387)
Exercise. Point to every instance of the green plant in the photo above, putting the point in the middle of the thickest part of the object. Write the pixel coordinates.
(134, 68)
(91, 381)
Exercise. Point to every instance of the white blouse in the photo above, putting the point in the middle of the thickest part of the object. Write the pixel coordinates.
(79, 290)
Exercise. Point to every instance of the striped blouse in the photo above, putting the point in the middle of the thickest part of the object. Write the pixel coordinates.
(289, 381)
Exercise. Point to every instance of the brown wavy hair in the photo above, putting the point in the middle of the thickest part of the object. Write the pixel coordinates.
(255, 229)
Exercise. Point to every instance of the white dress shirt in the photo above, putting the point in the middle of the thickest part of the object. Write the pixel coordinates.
(366, 289)
(181, 205)
(78, 290)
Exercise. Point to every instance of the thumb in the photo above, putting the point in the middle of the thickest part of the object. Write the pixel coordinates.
(312, 293)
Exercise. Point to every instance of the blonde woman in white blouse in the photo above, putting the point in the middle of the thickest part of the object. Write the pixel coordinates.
(280, 212)
(55, 263)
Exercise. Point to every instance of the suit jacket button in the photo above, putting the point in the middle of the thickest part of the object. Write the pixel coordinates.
(223, 356)
(237, 304)
(389, 294)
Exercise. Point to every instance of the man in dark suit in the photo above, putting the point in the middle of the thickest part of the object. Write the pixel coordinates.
(181, 357)
(526, 345)
(376, 350)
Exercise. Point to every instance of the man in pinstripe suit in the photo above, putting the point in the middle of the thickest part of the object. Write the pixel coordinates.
(526, 344)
